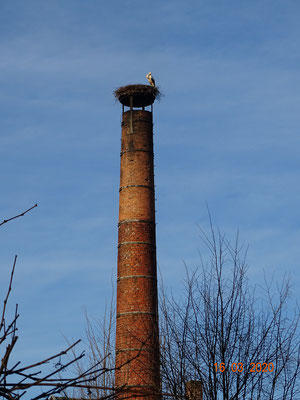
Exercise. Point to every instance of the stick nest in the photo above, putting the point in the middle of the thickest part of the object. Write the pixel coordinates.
(142, 95)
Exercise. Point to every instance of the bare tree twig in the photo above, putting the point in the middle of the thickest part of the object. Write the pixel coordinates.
(17, 216)
(8, 293)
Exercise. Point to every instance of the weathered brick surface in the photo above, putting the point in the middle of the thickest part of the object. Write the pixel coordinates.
(139, 293)
(143, 175)
(137, 354)
(193, 390)
(136, 331)
(139, 261)
(135, 203)
(136, 230)
(139, 367)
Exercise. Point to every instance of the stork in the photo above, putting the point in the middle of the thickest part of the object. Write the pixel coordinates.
(150, 79)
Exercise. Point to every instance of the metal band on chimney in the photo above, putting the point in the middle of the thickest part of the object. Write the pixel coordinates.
(135, 313)
(135, 276)
(124, 243)
(141, 186)
(135, 349)
(148, 221)
(133, 150)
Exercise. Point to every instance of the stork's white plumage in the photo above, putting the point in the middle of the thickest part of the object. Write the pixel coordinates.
(150, 79)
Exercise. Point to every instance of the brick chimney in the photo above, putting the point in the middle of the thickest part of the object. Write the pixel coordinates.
(193, 390)
(137, 349)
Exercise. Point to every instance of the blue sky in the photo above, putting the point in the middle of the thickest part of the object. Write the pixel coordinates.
(226, 133)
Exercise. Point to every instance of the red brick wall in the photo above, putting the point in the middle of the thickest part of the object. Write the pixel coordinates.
(137, 355)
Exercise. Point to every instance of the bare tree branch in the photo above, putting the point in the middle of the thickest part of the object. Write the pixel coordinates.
(17, 216)
(221, 320)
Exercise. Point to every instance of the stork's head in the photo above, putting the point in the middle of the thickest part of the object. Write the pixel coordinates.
(150, 73)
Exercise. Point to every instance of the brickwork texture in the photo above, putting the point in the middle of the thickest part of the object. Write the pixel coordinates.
(137, 351)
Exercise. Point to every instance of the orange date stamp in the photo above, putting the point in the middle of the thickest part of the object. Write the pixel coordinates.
(239, 367)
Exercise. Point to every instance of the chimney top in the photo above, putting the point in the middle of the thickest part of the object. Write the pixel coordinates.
(142, 95)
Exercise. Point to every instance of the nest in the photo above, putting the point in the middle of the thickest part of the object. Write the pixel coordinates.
(142, 95)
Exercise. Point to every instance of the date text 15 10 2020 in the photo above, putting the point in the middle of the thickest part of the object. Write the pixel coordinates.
(239, 367)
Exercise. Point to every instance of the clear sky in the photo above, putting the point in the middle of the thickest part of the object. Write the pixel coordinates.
(226, 133)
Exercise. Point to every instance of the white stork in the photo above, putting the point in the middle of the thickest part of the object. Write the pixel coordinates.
(150, 79)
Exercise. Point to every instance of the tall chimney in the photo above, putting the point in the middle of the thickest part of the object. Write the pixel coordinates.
(137, 348)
